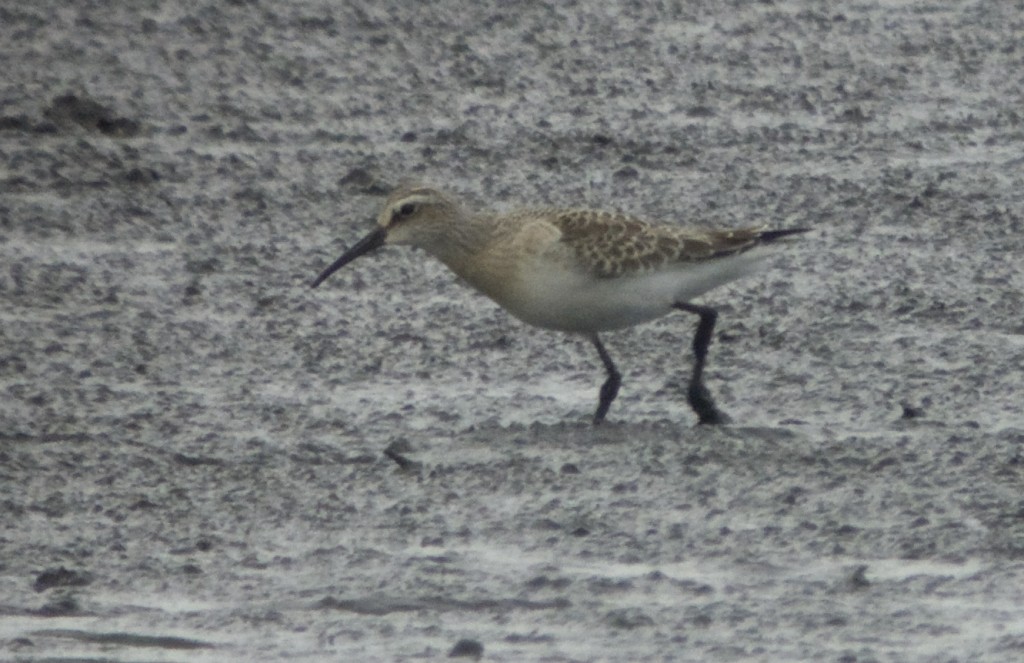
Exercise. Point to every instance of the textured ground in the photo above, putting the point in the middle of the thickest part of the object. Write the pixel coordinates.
(191, 440)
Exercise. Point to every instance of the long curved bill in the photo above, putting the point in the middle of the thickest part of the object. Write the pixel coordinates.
(372, 241)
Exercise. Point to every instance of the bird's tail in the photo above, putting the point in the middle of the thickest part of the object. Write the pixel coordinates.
(769, 236)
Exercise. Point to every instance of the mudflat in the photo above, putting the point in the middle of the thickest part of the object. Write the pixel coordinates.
(202, 459)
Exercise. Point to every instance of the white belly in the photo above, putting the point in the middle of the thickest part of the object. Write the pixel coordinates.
(556, 298)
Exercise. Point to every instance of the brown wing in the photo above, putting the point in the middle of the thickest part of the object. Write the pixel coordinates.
(611, 245)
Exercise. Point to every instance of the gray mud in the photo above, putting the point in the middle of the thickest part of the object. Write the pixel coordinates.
(192, 441)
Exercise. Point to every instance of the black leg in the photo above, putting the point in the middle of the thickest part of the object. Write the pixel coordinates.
(698, 395)
(610, 388)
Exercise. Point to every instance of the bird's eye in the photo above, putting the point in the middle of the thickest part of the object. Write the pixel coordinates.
(407, 209)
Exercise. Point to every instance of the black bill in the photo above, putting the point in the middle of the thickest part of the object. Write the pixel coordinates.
(372, 241)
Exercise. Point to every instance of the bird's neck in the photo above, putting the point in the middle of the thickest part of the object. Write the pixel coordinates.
(465, 238)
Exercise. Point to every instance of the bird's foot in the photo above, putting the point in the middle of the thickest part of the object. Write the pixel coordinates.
(702, 403)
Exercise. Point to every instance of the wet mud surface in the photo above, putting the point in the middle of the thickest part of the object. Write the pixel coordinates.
(192, 442)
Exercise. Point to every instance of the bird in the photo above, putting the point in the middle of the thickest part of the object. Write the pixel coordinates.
(576, 270)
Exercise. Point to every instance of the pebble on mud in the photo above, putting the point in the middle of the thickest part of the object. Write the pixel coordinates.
(61, 577)
(468, 649)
